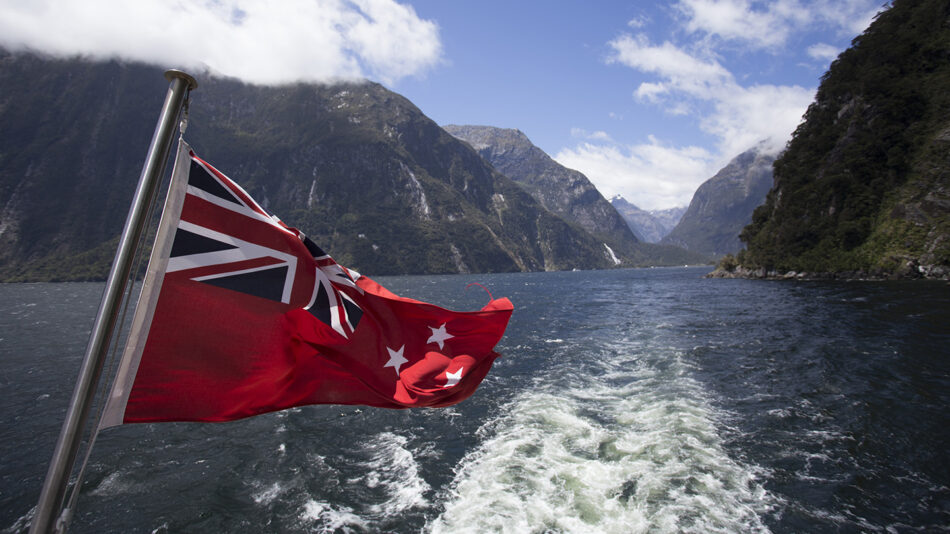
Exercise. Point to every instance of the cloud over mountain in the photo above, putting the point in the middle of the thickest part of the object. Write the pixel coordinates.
(699, 71)
(256, 41)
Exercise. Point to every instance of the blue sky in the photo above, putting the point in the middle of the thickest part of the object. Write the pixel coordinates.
(647, 99)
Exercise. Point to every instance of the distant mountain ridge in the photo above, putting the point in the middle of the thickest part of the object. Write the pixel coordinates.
(722, 206)
(648, 225)
(566, 192)
(563, 191)
(358, 168)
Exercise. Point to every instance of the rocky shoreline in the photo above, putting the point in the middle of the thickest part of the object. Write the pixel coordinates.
(910, 270)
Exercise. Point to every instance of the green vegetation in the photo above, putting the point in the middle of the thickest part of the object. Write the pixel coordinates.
(90, 265)
(863, 184)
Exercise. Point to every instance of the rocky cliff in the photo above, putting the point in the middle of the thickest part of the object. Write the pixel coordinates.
(648, 225)
(563, 191)
(722, 206)
(357, 167)
(566, 192)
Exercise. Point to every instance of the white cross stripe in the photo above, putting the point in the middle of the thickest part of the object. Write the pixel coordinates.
(244, 251)
(240, 209)
(336, 310)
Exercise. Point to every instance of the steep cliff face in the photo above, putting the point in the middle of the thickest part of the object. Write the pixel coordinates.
(64, 140)
(569, 194)
(357, 167)
(722, 206)
(863, 188)
(563, 191)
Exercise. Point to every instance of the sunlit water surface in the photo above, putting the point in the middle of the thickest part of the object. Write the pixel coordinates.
(646, 400)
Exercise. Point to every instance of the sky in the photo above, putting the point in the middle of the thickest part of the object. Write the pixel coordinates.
(647, 99)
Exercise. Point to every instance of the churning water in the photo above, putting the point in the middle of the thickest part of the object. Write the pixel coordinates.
(645, 400)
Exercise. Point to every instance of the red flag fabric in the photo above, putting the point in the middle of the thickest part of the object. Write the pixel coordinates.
(242, 315)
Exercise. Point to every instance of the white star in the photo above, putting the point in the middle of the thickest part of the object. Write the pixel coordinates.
(439, 335)
(453, 378)
(395, 359)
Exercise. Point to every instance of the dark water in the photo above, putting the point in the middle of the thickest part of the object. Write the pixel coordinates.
(626, 401)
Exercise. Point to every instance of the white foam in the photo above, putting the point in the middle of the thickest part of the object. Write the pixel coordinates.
(592, 456)
(331, 518)
(268, 494)
(393, 467)
(115, 483)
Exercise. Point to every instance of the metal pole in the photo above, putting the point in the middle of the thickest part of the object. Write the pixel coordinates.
(67, 446)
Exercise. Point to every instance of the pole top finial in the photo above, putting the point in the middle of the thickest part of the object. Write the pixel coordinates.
(171, 74)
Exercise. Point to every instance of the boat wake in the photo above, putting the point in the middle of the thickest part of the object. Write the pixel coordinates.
(629, 447)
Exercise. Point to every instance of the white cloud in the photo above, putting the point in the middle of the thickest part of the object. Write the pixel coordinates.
(650, 175)
(744, 116)
(681, 68)
(599, 135)
(655, 175)
(768, 25)
(692, 80)
(255, 40)
(823, 52)
(638, 21)
(740, 117)
(849, 17)
(738, 20)
(650, 92)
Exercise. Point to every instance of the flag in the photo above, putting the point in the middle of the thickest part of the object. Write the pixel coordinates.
(241, 314)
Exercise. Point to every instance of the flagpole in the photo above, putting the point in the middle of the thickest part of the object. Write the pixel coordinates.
(48, 514)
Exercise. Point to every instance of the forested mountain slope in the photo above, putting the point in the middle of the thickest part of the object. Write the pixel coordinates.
(863, 188)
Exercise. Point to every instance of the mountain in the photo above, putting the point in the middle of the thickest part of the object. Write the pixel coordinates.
(722, 206)
(667, 219)
(567, 193)
(863, 187)
(650, 226)
(563, 191)
(358, 168)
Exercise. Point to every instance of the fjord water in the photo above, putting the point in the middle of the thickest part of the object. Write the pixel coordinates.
(646, 400)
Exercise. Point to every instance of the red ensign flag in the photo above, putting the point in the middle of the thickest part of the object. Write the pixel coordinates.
(241, 315)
